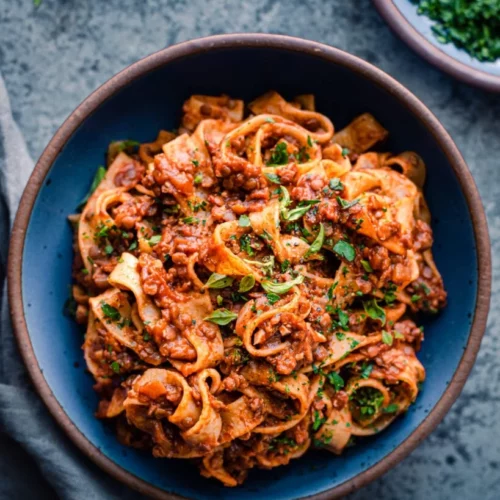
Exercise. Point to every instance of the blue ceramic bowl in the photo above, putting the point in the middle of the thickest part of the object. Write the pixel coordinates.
(148, 96)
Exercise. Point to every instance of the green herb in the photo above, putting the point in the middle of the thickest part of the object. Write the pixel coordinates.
(332, 289)
(267, 264)
(190, 220)
(343, 318)
(285, 197)
(345, 152)
(272, 298)
(115, 366)
(269, 120)
(368, 400)
(154, 240)
(37, 3)
(392, 408)
(285, 265)
(273, 178)
(387, 338)
(108, 250)
(110, 312)
(220, 300)
(335, 184)
(281, 288)
(196, 163)
(472, 25)
(297, 213)
(366, 370)
(336, 380)
(221, 317)
(374, 310)
(247, 283)
(398, 335)
(279, 156)
(244, 221)
(133, 245)
(198, 179)
(425, 288)
(218, 281)
(317, 421)
(146, 337)
(390, 293)
(366, 266)
(347, 204)
(317, 243)
(273, 376)
(245, 245)
(98, 177)
(309, 141)
(345, 250)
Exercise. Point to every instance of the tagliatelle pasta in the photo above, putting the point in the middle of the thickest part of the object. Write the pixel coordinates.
(250, 286)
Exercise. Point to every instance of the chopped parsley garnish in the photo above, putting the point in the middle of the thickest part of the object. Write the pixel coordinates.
(110, 312)
(366, 370)
(115, 366)
(196, 163)
(392, 408)
(190, 220)
(472, 25)
(108, 249)
(133, 245)
(198, 179)
(272, 298)
(335, 380)
(279, 156)
(245, 245)
(317, 420)
(415, 298)
(285, 265)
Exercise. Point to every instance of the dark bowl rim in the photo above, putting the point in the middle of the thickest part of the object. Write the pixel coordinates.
(235, 41)
(414, 39)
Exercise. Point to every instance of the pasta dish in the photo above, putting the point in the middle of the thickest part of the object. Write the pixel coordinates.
(250, 286)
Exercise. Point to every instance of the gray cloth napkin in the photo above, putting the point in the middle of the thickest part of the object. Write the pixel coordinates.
(37, 460)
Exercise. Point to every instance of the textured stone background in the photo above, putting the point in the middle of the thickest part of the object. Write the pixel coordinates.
(53, 56)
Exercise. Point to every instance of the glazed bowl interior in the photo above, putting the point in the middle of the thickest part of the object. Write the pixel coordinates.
(153, 101)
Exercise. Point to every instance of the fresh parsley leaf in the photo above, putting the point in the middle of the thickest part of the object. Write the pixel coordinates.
(336, 185)
(336, 380)
(110, 312)
(272, 298)
(279, 156)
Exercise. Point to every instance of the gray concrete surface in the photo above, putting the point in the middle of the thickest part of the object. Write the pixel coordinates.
(53, 56)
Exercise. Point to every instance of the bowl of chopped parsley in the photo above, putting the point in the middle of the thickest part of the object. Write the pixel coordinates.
(460, 37)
